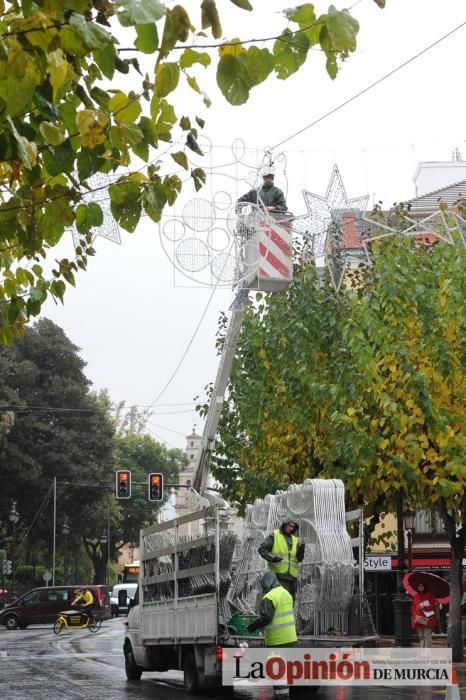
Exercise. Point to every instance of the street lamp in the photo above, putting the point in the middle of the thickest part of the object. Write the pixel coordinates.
(13, 517)
(66, 531)
(409, 517)
(401, 600)
(103, 541)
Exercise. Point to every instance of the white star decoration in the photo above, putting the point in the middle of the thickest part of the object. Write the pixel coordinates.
(324, 223)
(436, 225)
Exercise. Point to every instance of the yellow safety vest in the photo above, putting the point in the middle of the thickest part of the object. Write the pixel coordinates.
(280, 548)
(282, 629)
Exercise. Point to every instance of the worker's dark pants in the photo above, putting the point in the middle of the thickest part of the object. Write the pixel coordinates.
(282, 690)
(289, 585)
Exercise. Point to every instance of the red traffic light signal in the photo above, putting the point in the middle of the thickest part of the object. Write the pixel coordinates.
(155, 487)
(123, 483)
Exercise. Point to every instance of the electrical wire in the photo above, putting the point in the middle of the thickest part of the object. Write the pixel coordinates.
(369, 87)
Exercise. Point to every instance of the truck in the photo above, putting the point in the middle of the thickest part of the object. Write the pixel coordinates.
(193, 603)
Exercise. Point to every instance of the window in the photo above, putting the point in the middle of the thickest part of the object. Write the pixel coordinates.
(33, 597)
(56, 595)
(191, 457)
(192, 444)
(188, 482)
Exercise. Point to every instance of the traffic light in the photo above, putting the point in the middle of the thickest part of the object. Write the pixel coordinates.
(123, 483)
(155, 487)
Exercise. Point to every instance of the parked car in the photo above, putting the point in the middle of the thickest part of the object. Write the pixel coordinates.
(42, 605)
(120, 598)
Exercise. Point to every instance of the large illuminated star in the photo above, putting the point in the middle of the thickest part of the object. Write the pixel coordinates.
(434, 227)
(329, 221)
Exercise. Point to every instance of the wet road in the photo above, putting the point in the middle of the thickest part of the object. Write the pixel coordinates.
(35, 664)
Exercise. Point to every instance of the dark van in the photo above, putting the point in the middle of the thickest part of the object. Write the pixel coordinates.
(42, 605)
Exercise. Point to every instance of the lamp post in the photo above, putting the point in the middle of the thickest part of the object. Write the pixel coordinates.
(66, 531)
(401, 600)
(13, 517)
(103, 541)
(409, 518)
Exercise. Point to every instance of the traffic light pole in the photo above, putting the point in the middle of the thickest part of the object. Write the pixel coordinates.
(54, 527)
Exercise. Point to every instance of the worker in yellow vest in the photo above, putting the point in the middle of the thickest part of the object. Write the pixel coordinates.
(283, 551)
(276, 618)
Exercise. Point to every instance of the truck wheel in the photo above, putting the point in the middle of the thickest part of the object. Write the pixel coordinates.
(133, 671)
(191, 676)
(11, 622)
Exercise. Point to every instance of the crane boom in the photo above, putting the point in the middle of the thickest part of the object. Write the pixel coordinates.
(218, 394)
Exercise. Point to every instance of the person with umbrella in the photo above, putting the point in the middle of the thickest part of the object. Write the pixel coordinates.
(424, 611)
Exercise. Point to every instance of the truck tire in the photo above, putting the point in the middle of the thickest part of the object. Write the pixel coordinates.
(133, 671)
(191, 676)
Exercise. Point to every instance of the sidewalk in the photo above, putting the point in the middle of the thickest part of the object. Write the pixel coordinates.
(438, 640)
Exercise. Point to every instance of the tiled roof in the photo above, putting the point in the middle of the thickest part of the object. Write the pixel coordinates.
(448, 194)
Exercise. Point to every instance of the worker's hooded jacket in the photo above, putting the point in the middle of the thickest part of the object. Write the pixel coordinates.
(276, 615)
(269, 196)
(288, 547)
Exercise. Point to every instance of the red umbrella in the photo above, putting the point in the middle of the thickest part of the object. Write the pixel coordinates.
(435, 585)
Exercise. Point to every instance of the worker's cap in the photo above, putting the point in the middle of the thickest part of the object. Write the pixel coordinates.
(268, 171)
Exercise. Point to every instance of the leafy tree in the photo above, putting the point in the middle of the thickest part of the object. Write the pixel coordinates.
(61, 123)
(368, 385)
(58, 430)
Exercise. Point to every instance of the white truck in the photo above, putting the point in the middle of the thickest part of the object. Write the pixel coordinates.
(189, 606)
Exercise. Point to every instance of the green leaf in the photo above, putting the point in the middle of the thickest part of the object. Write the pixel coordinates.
(147, 38)
(173, 185)
(91, 126)
(164, 116)
(87, 216)
(57, 214)
(167, 76)
(243, 4)
(58, 69)
(237, 74)
(105, 59)
(89, 161)
(154, 199)
(139, 11)
(342, 30)
(192, 82)
(58, 289)
(185, 123)
(177, 27)
(93, 35)
(331, 66)
(125, 203)
(59, 159)
(125, 109)
(290, 53)
(199, 178)
(210, 18)
(51, 134)
(189, 57)
(18, 81)
(180, 158)
(303, 15)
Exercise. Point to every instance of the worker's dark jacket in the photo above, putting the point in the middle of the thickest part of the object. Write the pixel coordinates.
(265, 550)
(269, 196)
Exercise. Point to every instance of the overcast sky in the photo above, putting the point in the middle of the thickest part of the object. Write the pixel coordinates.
(133, 313)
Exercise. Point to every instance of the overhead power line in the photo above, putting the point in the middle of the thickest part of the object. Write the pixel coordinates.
(369, 87)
